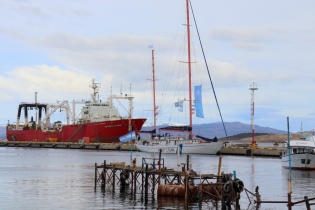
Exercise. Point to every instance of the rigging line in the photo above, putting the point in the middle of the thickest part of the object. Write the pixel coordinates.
(169, 103)
(207, 67)
(166, 82)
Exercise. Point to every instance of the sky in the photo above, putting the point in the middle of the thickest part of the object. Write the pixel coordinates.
(55, 48)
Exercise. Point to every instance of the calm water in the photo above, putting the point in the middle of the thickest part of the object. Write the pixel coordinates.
(64, 179)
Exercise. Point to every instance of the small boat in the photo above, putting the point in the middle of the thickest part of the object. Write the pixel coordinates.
(302, 154)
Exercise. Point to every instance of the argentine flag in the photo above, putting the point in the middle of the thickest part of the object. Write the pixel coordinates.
(128, 137)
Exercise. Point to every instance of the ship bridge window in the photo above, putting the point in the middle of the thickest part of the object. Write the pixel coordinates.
(294, 150)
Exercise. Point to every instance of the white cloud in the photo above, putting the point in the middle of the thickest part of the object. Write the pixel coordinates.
(250, 38)
(55, 48)
(51, 83)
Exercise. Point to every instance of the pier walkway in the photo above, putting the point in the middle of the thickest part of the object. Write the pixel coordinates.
(229, 150)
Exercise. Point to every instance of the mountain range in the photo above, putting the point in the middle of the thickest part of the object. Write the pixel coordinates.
(210, 130)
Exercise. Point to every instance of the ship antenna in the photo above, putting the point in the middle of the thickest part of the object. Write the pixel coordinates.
(95, 86)
(120, 89)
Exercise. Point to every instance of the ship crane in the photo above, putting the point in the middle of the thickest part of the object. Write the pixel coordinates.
(126, 97)
(53, 108)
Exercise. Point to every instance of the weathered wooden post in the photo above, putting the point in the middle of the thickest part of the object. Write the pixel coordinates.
(135, 175)
(142, 181)
(132, 177)
(114, 175)
(103, 176)
(308, 207)
(105, 172)
(257, 196)
(160, 153)
(95, 176)
(219, 166)
(146, 180)
(186, 188)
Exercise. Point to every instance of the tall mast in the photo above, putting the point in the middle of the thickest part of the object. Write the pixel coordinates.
(253, 88)
(153, 79)
(189, 69)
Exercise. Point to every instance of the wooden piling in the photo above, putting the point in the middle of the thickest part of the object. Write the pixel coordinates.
(308, 207)
(95, 181)
(114, 175)
(146, 180)
(289, 194)
(219, 166)
(160, 153)
(105, 172)
(135, 175)
(186, 187)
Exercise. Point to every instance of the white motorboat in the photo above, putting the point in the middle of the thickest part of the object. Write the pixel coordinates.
(302, 154)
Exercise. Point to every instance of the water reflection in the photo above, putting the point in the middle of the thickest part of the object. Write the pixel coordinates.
(37, 178)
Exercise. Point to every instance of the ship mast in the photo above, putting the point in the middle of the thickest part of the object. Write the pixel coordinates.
(189, 69)
(153, 79)
(95, 86)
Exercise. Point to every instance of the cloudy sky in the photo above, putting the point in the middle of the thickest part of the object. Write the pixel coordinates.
(56, 47)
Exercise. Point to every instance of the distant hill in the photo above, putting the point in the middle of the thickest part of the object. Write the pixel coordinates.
(2, 132)
(232, 128)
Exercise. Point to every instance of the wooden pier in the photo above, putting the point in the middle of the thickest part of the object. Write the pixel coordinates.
(153, 178)
(69, 145)
(252, 151)
(229, 150)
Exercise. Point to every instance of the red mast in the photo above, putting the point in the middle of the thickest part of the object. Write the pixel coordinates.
(189, 69)
(153, 79)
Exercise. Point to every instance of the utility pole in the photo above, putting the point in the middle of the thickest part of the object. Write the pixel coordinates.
(253, 88)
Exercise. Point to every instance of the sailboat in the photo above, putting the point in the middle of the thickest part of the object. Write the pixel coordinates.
(168, 143)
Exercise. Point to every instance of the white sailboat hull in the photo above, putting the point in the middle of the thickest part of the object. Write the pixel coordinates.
(201, 148)
(156, 149)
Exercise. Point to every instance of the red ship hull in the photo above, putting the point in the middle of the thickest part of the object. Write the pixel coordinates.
(97, 132)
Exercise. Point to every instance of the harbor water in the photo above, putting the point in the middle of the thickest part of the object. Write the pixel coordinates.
(64, 179)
